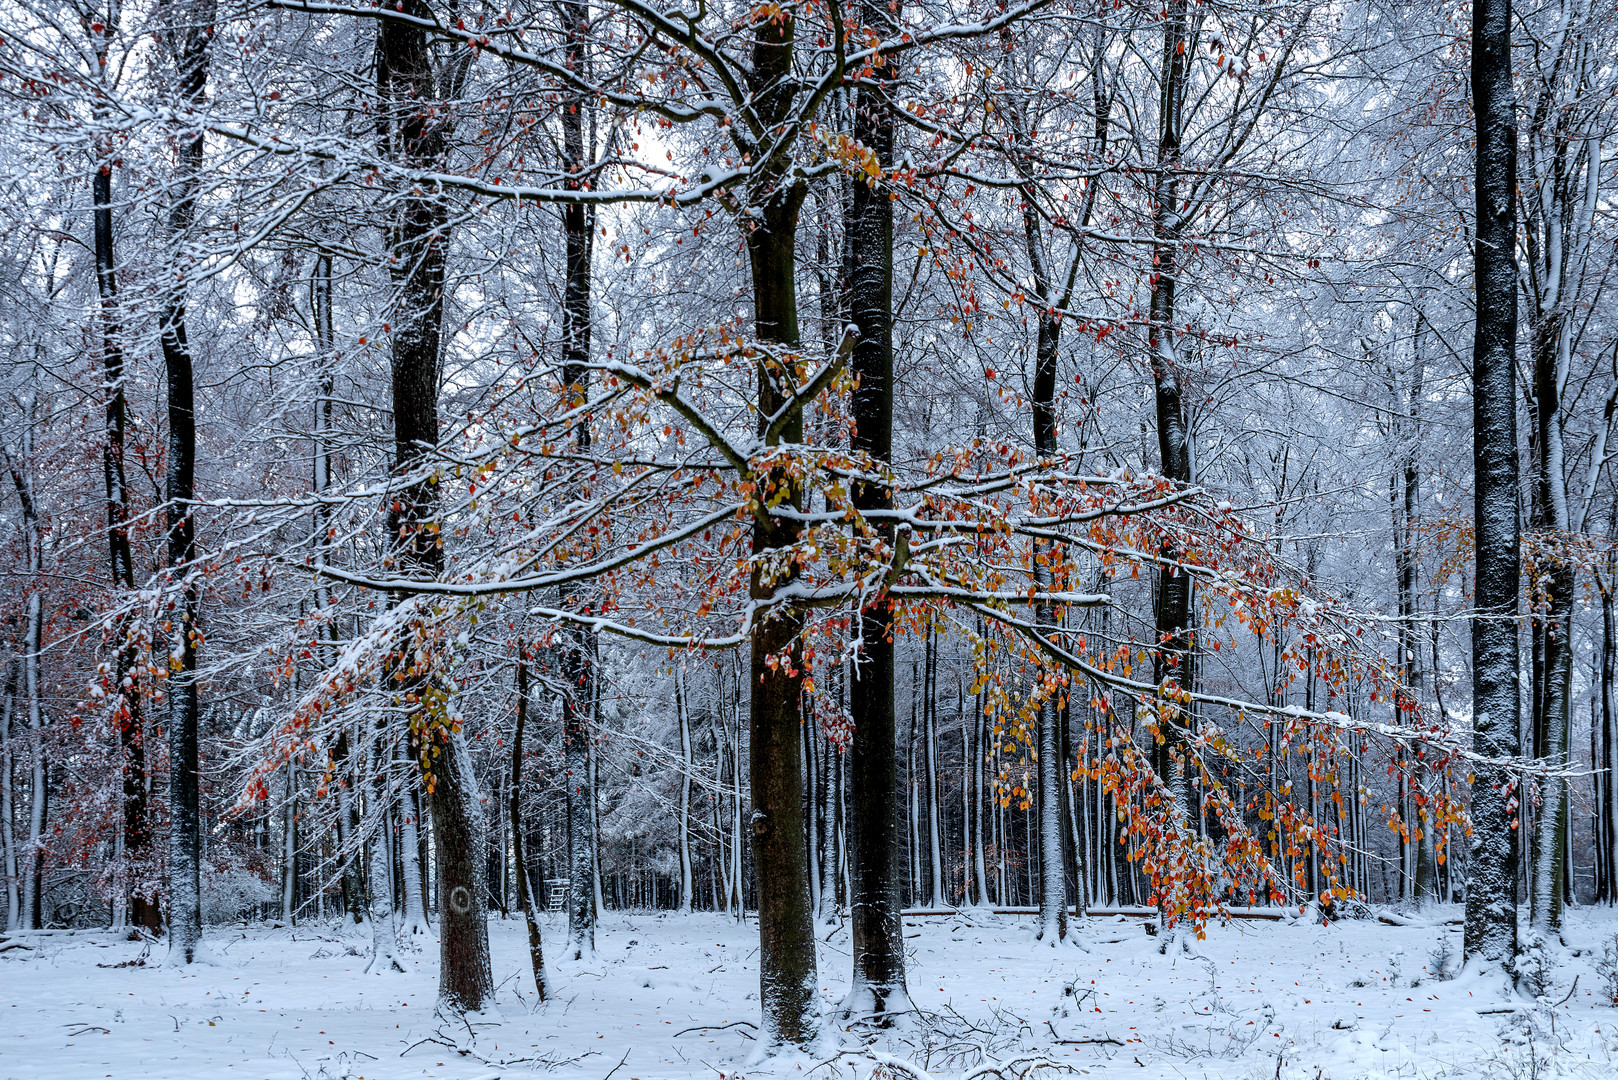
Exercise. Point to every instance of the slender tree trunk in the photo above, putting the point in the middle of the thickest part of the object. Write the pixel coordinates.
(519, 861)
(577, 670)
(976, 828)
(347, 826)
(826, 802)
(379, 801)
(289, 849)
(187, 33)
(1171, 666)
(33, 860)
(682, 709)
(1491, 899)
(8, 835)
(738, 885)
(1609, 738)
(128, 717)
(969, 897)
(412, 872)
(1048, 777)
(878, 988)
(1551, 699)
(930, 774)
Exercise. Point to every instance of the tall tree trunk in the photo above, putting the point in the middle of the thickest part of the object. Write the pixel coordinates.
(33, 856)
(737, 898)
(419, 238)
(1172, 660)
(786, 930)
(188, 31)
(982, 796)
(969, 897)
(1049, 785)
(826, 801)
(683, 814)
(878, 987)
(8, 835)
(577, 671)
(1554, 232)
(1609, 737)
(787, 979)
(289, 848)
(930, 775)
(128, 715)
(1491, 898)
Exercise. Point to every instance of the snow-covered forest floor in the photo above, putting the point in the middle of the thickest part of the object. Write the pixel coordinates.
(1355, 999)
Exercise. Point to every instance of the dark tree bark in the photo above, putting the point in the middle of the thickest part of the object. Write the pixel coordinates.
(1606, 810)
(1172, 659)
(876, 933)
(1491, 895)
(129, 719)
(1048, 782)
(418, 239)
(787, 973)
(578, 647)
(188, 30)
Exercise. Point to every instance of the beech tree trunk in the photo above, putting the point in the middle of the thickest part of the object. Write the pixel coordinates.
(1171, 668)
(188, 31)
(577, 650)
(1491, 896)
(418, 238)
(787, 975)
(128, 718)
(876, 934)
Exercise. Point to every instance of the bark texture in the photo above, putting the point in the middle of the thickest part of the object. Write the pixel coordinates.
(188, 30)
(1491, 896)
(876, 934)
(418, 238)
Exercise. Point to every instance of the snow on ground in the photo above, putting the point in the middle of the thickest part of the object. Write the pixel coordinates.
(1294, 1000)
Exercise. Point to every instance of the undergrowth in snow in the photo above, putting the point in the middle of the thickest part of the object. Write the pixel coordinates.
(668, 997)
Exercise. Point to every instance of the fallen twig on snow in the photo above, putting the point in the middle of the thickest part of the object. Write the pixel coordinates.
(616, 1067)
(718, 1027)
